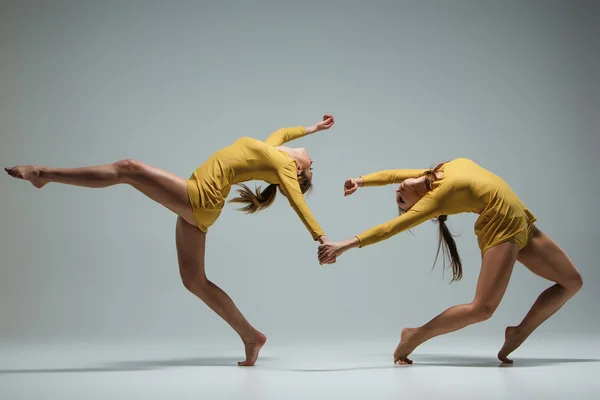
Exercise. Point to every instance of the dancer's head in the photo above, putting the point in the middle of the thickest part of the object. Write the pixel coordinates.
(408, 194)
(258, 200)
(303, 163)
(410, 191)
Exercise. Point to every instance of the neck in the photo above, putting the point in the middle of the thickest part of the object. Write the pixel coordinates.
(421, 187)
(293, 153)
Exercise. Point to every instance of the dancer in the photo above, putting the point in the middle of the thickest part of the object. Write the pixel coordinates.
(198, 201)
(505, 231)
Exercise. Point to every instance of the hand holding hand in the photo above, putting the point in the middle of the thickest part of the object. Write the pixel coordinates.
(328, 252)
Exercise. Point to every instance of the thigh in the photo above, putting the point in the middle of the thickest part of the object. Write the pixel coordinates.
(191, 244)
(496, 269)
(165, 188)
(543, 257)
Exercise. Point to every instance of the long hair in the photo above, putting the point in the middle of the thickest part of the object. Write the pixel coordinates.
(445, 238)
(258, 200)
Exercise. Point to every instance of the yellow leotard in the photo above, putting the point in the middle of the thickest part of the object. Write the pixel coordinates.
(464, 187)
(244, 160)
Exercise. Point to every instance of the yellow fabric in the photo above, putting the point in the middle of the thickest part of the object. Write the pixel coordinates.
(244, 160)
(464, 187)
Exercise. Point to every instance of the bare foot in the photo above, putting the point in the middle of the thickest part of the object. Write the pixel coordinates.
(512, 340)
(252, 349)
(406, 346)
(29, 173)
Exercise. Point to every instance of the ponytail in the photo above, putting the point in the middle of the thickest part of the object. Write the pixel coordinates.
(447, 241)
(445, 238)
(259, 200)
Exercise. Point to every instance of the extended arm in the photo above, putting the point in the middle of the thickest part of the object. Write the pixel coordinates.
(380, 178)
(390, 176)
(424, 209)
(289, 184)
(285, 135)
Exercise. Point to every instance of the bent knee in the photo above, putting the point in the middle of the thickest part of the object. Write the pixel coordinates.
(574, 283)
(482, 311)
(195, 284)
(129, 168)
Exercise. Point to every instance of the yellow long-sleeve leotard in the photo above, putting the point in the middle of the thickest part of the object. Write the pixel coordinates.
(464, 187)
(244, 160)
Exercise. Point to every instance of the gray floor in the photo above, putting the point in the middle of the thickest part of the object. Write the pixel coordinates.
(447, 369)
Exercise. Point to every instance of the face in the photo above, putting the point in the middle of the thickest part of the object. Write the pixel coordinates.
(410, 192)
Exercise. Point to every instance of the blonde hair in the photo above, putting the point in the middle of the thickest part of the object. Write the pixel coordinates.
(258, 200)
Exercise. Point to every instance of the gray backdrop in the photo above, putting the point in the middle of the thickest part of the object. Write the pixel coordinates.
(513, 85)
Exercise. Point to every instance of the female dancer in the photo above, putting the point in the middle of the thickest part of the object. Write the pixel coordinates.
(198, 201)
(505, 231)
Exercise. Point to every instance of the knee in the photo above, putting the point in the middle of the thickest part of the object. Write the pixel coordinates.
(194, 284)
(128, 168)
(574, 283)
(482, 311)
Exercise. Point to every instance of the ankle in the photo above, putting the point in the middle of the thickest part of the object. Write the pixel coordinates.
(253, 337)
(517, 330)
(416, 335)
(42, 172)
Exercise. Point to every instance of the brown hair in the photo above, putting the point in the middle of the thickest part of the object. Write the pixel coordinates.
(445, 237)
(258, 200)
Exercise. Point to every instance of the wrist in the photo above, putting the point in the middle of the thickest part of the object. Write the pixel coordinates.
(350, 243)
(311, 129)
(360, 182)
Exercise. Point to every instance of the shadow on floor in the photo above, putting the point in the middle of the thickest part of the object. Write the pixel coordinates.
(141, 365)
(433, 360)
(381, 362)
(448, 360)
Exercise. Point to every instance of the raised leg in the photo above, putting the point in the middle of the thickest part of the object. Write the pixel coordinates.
(161, 186)
(190, 252)
(496, 269)
(543, 257)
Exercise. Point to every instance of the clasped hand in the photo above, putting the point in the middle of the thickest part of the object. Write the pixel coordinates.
(328, 252)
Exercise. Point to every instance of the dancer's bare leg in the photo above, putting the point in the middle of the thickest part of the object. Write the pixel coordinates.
(161, 186)
(190, 252)
(170, 191)
(543, 257)
(496, 269)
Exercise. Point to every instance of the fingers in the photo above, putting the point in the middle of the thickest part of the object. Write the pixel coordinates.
(325, 253)
(327, 258)
(327, 261)
(348, 192)
(324, 257)
(350, 186)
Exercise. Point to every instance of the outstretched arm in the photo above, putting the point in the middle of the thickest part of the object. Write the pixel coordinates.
(284, 135)
(424, 209)
(390, 176)
(380, 178)
(291, 188)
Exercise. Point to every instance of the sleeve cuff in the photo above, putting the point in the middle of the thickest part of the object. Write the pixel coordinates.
(360, 241)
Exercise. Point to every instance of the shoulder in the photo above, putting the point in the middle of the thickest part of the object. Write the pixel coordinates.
(248, 139)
